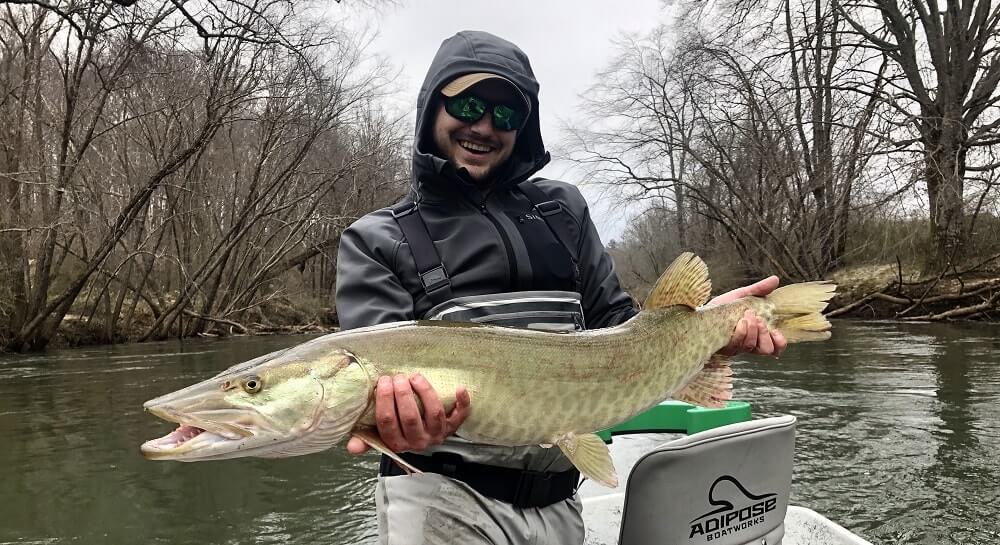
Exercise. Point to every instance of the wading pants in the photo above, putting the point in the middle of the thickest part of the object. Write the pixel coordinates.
(431, 509)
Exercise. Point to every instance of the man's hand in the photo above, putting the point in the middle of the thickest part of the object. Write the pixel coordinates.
(751, 335)
(397, 414)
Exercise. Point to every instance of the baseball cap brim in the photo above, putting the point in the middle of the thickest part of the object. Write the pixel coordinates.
(461, 84)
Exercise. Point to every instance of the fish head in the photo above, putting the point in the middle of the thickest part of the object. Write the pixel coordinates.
(283, 404)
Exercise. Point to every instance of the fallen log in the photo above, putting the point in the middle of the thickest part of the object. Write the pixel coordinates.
(987, 291)
(989, 304)
(240, 327)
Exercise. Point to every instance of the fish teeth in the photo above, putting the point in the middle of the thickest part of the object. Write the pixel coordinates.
(185, 433)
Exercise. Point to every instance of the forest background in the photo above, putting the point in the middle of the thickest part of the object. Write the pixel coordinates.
(180, 168)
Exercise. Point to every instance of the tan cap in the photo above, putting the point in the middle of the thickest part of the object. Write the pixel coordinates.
(462, 83)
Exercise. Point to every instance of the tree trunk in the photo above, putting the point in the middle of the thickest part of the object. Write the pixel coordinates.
(944, 170)
(13, 266)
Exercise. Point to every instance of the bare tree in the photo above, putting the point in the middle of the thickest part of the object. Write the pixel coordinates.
(950, 67)
(765, 146)
(171, 170)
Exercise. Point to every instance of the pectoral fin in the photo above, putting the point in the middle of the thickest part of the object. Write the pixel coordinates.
(374, 441)
(712, 387)
(591, 456)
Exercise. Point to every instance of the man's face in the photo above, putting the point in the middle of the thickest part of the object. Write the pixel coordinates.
(479, 147)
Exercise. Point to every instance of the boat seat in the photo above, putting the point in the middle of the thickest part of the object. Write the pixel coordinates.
(725, 486)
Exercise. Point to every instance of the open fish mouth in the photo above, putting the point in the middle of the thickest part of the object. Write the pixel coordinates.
(192, 434)
(176, 438)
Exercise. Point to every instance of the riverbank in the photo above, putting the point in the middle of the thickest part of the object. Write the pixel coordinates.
(888, 291)
(896, 292)
(276, 317)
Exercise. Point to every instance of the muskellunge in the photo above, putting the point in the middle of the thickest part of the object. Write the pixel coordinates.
(527, 387)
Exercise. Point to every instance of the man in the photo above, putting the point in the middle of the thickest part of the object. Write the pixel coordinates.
(479, 240)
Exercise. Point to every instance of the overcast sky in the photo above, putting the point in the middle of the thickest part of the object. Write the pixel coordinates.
(568, 42)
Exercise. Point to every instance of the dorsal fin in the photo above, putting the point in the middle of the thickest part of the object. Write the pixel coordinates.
(685, 282)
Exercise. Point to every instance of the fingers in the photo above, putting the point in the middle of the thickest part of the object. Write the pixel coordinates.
(434, 418)
(780, 342)
(765, 345)
(752, 336)
(757, 289)
(409, 414)
(762, 287)
(723, 298)
(410, 419)
(736, 340)
(460, 411)
(386, 419)
(752, 333)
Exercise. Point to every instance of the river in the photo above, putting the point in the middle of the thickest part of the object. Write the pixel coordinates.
(898, 440)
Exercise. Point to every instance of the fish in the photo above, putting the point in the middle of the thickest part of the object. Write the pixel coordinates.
(527, 387)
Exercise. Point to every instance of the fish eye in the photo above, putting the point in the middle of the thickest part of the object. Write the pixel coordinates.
(252, 384)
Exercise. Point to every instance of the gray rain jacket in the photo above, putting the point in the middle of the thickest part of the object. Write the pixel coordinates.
(489, 238)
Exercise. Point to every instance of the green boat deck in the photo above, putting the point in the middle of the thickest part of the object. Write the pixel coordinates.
(679, 417)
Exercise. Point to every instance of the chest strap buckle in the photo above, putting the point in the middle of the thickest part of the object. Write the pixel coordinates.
(548, 208)
(435, 279)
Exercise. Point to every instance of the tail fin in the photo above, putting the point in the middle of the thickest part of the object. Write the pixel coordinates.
(797, 310)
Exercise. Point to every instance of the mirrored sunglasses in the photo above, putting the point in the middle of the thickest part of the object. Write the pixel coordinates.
(470, 109)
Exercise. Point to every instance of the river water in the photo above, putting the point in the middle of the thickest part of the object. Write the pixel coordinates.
(898, 440)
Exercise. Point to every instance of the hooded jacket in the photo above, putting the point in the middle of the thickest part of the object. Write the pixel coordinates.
(488, 236)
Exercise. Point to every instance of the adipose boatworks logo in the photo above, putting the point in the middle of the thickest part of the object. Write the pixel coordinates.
(736, 509)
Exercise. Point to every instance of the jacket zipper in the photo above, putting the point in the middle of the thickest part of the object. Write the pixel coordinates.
(511, 263)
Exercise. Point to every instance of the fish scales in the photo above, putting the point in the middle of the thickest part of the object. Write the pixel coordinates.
(511, 373)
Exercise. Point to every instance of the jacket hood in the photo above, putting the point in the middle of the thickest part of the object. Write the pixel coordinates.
(464, 53)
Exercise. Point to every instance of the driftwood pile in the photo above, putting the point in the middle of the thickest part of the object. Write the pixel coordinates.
(970, 294)
(229, 328)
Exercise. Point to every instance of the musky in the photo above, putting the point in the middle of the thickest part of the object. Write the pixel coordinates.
(568, 42)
